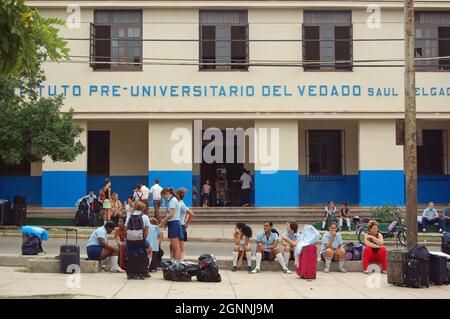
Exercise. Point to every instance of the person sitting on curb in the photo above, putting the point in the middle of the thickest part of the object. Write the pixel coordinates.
(430, 216)
(344, 214)
(329, 215)
(446, 216)
(97, 247)
(267, 245)
(374, 250)
(290, 240)
(332, 248)
(242, 235)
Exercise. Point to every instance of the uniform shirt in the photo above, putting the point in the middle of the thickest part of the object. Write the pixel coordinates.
(145, 192)
(173, 203)
(326, 239)
(429, 213)
(152, 237)
(155, 190)
(183, 211)
(145, 218)
(98, 233)
(246, 181)
(262, 238)
(293, 237)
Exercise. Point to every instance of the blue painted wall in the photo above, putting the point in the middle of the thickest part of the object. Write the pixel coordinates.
(175, 179)
(63, 188)
(433, 189)
(322, 189)
(377, 188)
(122, 185)
(279, 189)
(29, 186)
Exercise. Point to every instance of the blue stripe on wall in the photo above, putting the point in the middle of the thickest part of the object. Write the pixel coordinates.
(276, 188)
(175, 179)
(322, 189)
(122, 185)
(433, 189)
(28, 186)
(63, 188)
(378, 188)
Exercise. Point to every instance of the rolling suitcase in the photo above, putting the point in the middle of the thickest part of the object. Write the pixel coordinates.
(69, 255)
(81, 218)
(396, 267)
(307, 262)
(417, 273)
(438, 270)
(136, 264)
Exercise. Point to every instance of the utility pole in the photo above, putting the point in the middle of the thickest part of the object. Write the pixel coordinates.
(410, 152)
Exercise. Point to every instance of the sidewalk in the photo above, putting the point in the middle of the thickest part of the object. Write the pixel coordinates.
(266, 285)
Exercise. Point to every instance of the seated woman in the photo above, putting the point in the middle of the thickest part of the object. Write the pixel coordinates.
(332, 248)
(242, 235)
(344, 214)
(267, 246)
(374, 250)
(97, 246)
(329, 217)
(290, 240)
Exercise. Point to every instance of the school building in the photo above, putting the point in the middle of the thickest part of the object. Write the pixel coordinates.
(327, 75)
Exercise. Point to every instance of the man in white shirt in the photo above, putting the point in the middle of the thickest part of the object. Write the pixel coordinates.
(246, 181)
(145, 195)
(155, 192)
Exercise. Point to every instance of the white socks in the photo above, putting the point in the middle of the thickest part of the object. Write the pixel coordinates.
(248, 254)
(149, 260)
(235, 258)
(281, 261)
(328, 263)
(341, 263)
(286, 257)
(348, 223)
(340, 223)
(258, 260)
(114, 263)
(182, 257)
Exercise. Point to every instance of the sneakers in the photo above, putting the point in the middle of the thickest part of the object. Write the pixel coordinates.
(255, 271)
(342, 269)
(326, 270)
(287, 271)
(234, 268)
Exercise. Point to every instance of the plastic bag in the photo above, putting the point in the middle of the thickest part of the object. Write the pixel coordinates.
(34, 231)
(309, 236)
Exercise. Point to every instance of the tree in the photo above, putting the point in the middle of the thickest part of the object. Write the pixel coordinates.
(24, 33)
(32, 127)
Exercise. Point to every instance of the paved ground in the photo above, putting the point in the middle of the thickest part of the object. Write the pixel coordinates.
(266, 285)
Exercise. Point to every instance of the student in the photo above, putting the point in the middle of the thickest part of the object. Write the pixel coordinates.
(97, 247)
(105, 194)
(155, 238)
(273, 229)
(430, 216)
(446, 216)
(172, 220)
(90, 200)
(137, 195)
(121, 231)
(374, 250)
(344, 213)
(246, 185)
(129, 205)
(332, 248)
(242, 235)
(267, 245)
(145, 193)
(206, 192)
(116, 208)
(155, 192)
(186, 216)
(290, 240)
(330, 215)
(194, 194)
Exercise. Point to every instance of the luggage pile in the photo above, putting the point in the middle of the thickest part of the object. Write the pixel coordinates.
(307, 262)
(32, 240)
(206, 270)
(88, 214)
(353, 252)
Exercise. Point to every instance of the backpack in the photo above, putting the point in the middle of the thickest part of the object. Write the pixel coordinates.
(135, 231)
(208, 271)
(357, 252)
(178, 271)
(83, 206)
(31, 246)
(418, 252)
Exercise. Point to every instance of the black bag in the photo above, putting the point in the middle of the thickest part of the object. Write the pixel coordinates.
(417, 273)
(69, 255)
(438, 270)
(396, 267)
(418, 252)
(445, 246)
(208, 271)
(31, 245)
(20, 214)
(156, 259)
(81, 218)
(136, 264)
(6, 213)
(178, 271)
(135, 231)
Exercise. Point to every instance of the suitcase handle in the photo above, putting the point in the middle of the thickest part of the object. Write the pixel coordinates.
(67, 234)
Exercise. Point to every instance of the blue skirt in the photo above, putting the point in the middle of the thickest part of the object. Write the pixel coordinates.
(183, 233)
(174, 229)
(94, 252)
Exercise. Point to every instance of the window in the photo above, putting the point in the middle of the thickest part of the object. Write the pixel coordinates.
(23, 169)
(116, 40)
(432, 33)
(324, 152)
(98, 153)
(327, 40)
(223, 40)
(430, 156)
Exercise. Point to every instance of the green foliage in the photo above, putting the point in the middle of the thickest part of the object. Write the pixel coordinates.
(384, 214)
(24, 35)
(32, 127)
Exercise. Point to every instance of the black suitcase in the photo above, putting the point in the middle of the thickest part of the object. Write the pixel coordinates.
(136, 264)
(156, 259)
(69, 255)
(6, 213)
(417, 273)
(396, 267)
(20, 214)
(81, 218)
(438, 270)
